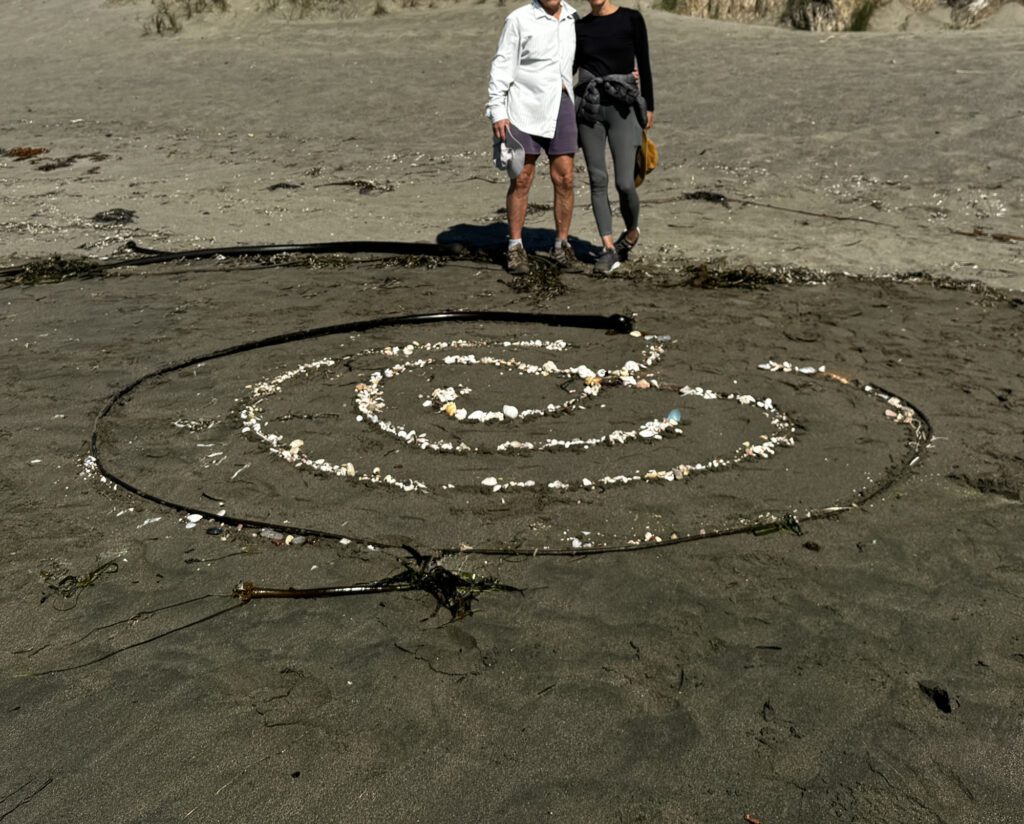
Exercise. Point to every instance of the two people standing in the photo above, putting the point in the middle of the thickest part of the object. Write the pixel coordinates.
(534, 107)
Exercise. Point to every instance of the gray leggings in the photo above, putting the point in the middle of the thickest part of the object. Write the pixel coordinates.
(621, 130)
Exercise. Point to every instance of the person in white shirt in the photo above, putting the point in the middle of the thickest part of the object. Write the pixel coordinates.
(530, 98)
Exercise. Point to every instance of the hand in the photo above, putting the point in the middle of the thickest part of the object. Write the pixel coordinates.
(500, 128)
(650, 121)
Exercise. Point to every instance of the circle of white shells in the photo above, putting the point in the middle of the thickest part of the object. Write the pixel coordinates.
(451, 401)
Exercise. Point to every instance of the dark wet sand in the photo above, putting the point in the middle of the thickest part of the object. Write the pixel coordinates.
(780, 675)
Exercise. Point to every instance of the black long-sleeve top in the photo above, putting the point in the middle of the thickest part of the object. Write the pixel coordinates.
(612, 44)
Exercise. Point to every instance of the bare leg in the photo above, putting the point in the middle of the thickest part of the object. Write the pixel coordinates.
(561, 178)
(518, 198)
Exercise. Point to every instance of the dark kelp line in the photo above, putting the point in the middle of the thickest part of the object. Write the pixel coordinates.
(450, 590)
(619, 324)
(544, 280)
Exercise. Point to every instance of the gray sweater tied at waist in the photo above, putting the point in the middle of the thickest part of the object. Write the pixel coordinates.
(591, 91)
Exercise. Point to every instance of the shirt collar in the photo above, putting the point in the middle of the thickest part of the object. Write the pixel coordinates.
(567, 10)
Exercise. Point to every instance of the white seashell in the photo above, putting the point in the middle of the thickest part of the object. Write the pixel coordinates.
(194, 518)
(510, 411)
(489, 481)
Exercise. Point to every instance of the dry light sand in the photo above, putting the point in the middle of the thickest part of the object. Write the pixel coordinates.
(848, 201)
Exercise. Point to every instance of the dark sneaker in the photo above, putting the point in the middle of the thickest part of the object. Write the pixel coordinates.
(607, 263)
(517, 262)
(623, 246)
(565, 258)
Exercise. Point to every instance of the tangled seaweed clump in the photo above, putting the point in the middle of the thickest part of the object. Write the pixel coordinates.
(451, 591)
(56, 269)
(541, 283)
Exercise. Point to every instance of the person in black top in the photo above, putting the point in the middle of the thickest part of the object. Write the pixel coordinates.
(613, 109)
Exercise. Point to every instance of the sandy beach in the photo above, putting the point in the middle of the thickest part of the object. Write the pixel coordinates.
(797, 600)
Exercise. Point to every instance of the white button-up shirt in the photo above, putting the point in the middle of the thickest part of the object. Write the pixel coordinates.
(531, 67)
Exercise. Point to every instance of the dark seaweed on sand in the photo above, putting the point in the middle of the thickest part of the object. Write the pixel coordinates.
(56, 269)
(451, 591)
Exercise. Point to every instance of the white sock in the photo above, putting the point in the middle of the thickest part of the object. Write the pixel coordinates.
(513, 242)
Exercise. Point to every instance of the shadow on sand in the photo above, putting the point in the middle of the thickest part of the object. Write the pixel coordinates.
(492, 239)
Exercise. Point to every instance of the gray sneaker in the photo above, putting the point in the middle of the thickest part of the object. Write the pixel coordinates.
(607, 263)
(517, 262)
(565, 258)
(623, 246)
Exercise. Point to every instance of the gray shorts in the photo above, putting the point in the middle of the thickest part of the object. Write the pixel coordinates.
(565, 140)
